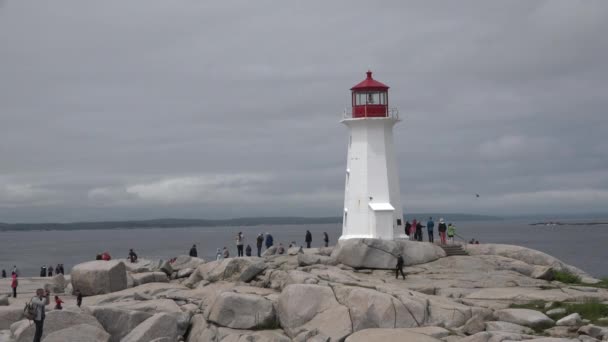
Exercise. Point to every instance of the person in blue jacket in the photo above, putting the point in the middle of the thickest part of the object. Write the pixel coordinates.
(269, 240)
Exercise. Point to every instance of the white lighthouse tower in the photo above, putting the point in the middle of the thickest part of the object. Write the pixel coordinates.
(372, 199)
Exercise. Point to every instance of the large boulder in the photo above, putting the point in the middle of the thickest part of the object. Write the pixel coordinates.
(390, 335)
(99, 277)
(79, 333)
(57, 284)
(382, 254)
(303, 308)
(529, 256)
(507, 327)
(10, 315)
(149, 277)
(242, 311)
(185, 261)
(4, 300)
(161, 325)
(118, 322)
(23, 331)
(230, 269)
(525, 317)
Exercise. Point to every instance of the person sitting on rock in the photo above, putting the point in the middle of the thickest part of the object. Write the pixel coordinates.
(132, 256)
(281, 249)
(226, 253)
(58, 303)
(105, 256)
(399, 268)
(193, 252)
(248, 251)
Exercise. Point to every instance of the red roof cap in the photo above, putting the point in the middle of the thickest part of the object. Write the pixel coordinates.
(370, 84)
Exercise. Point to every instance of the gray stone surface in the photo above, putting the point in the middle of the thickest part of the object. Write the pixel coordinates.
(160, 325)
(242, 311)
(389, 335)
(99, 277)
(23, 331)
(78, 333)
(118, 322)
(525, 317)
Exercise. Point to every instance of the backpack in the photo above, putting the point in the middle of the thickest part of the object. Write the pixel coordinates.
(29, 311)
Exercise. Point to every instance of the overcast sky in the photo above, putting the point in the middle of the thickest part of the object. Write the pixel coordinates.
(215, 109)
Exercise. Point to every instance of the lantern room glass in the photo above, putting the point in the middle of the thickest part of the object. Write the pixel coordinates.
(370, 98)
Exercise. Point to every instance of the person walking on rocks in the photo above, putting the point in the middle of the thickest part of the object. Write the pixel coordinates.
(308, 239)
(40, 301)
(400, 263)
(430, 225)
(58, 303)
(50, 271)
(193, 252)
(239, 244)
(248, 251)
(442, 228)
(259, 241)
(14, 284)
(451, 233)
(132, 256)
(78, 298)
(326, 239)
(269, 241)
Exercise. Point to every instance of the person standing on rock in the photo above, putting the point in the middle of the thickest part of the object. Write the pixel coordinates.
(50, 271)
(239, 244)
(408, 226)
(218, 254)
(430, 225)
(413, 230)
(78, 298)
(326, 239)
(269, 241)
(442, 228)
(259, 241)
(132, 256)
(14, 284)
(248, 251)
(308, 239)
(3, 273)
(43, 271)
(193, 252)
(40, 302)
(15, 270)
(400, 263)
(419, 231)
(451, 232)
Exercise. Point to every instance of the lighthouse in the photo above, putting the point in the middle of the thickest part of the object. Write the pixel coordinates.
(372, 198)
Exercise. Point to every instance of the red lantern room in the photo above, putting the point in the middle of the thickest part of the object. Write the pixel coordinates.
(370, 98)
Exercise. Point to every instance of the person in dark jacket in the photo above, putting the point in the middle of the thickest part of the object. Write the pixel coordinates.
(308, 239)
(419, 231)
(269, 241)
(248, 250)
(259, 241)
(78, 298)
(193, 252)
(43, 271)
(442, 228)
(3, 273)
(408, 226)
(430, 225)
(50, 271)
(399, 268)
(132, 256)
(326, 239)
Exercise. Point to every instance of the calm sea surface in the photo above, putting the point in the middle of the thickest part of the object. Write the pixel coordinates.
(581, 246)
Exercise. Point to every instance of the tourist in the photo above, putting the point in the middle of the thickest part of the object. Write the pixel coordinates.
(62, 269)
(413, 230)
(3, 273)
(43, 271)
(40, 301)
(14, 284)
(132, 256)
(269, 241)
(50, 271)
(219, 255)
(105, 256)
(408, 226)
(281, 249)
(78, 298)
(58, 303)
(98, 257)
(226, 253)
(430, 225)
(308, 239)
(326, 239)
(451, 233)
(58, 269)
(193, 252)
(248, 251)
(259, 241)
(399, 268)
(477, 242)
(15, 270)
(419, 231)
(239, 244)
(442, 228)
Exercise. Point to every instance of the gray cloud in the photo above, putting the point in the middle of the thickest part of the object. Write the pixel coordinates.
(150, 108)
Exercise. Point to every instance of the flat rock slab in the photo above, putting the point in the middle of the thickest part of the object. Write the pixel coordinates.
(525, 317)
(79, 333)
(390, 335)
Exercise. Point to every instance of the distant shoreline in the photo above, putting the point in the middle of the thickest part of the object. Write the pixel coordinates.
(189, 223)
(568, 224)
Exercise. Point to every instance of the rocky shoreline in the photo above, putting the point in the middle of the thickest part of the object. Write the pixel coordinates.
(347, 293)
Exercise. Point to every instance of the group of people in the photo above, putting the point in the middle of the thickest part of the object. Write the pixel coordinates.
(414, 230)
(262, 240)
(48, 271)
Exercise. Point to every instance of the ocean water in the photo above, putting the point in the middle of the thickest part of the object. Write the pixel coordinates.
(581, 246)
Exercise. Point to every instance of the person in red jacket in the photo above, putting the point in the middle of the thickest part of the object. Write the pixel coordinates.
(58, 303)
(106, 256)
(14, 284)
